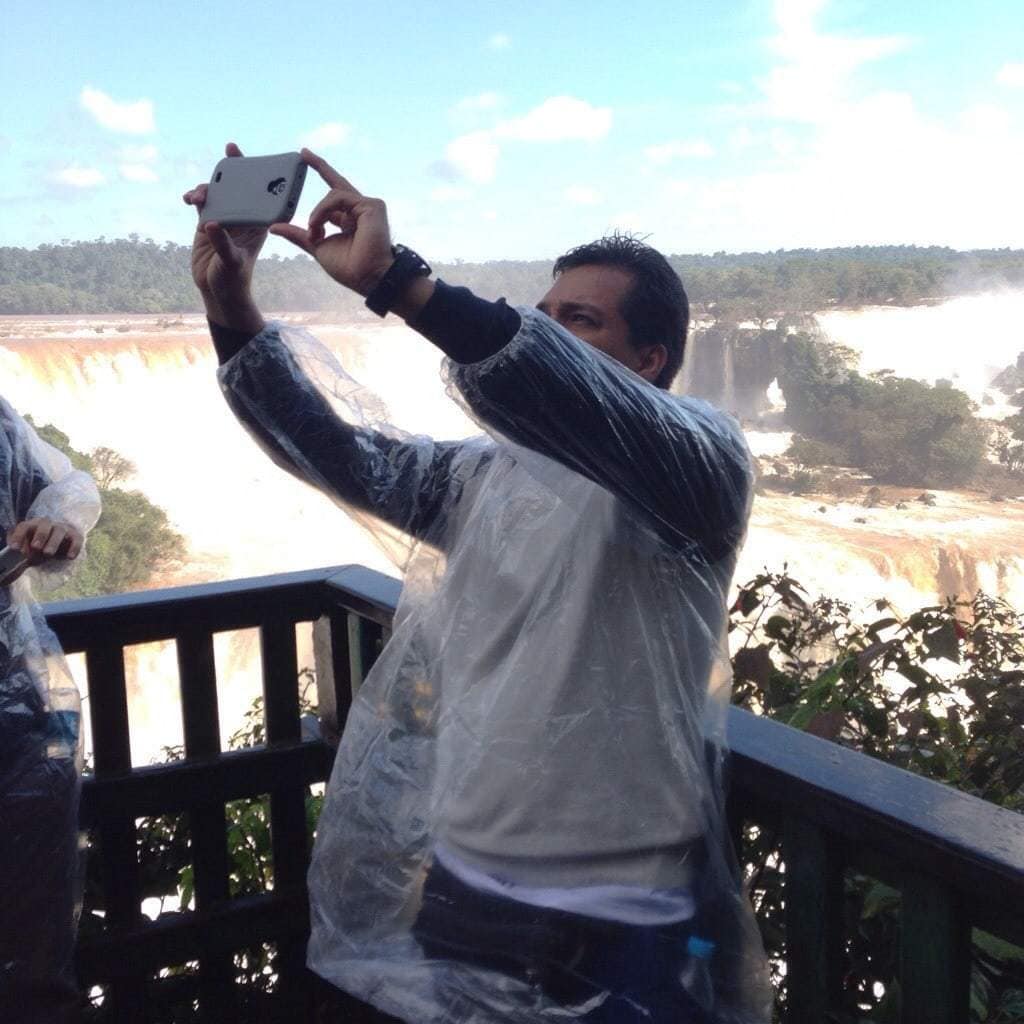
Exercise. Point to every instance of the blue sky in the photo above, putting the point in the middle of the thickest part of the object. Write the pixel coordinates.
(515, 130)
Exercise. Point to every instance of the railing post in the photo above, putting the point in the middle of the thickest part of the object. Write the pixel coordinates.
(289, 845)
(201, 727)
(935, 954)
(814, 917)
(333, 672)
(365, 640)
(108, 713)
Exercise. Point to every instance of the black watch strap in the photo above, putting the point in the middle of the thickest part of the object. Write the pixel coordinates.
(406, 266)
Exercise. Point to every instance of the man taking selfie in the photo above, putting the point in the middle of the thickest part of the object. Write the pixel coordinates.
(524, 820)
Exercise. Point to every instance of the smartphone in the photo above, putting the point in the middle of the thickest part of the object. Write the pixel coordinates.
(254, 190)
(11, 561)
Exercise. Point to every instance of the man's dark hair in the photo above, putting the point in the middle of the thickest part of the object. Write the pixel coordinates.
(656, 308)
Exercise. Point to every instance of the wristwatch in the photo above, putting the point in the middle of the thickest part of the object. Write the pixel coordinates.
(406, 266)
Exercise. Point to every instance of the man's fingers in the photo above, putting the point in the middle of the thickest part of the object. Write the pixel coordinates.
(222, 244)
(41, 534)
(231, 149)
(326, 171)
(73, 544)
(338, 201)
(196, 196)
(295, 235)
(16, 536)
(58, 535)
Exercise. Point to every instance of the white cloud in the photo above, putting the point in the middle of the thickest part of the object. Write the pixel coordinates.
(742, 137)
(840, 162)
(676, 189)
(815, 68)
(450, 194)
(138, 172)
(1012, 75)
(474, 156)
(582, 195)
(882, 172)
(557, 119)
(331, 133)
(79, 177)
(666, 152)
(499, 41)
(137, 154)
(483, 101)
(129, 118)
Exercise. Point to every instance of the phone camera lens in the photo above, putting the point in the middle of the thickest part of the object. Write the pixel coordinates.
(217, 176)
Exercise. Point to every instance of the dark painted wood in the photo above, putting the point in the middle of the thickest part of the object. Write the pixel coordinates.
(175, 938)
(365, 640)
(976, 847)
(814, 921)
(935, 954)
(164, 614)
(169, 788)
(365, 592)
(289, 846)
(207, 820)
(119, 869)
(333, 672)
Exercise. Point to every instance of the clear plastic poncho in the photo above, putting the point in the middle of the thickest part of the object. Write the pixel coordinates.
(40, 743)
(546, 722)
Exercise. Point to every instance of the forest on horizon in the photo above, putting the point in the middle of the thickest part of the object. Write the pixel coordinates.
(134, 275)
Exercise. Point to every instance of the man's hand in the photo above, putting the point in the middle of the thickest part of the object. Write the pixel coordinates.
(360, 253)
(223, 260)
(42, 539)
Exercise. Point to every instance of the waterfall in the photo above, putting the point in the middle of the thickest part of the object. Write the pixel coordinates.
(149, 391)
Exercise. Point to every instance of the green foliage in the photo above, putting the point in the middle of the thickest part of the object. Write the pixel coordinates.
(131, 275)
(810, 452)
(133, 539)
(939, 692)
(899, 430)
(1009, 443)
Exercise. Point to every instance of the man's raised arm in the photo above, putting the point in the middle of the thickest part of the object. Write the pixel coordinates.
(404, 481)
(682, 465)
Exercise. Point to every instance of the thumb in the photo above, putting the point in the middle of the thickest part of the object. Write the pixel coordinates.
(294, 234)
(223, 246)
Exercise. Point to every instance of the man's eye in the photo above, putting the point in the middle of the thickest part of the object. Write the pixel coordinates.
(580, 318)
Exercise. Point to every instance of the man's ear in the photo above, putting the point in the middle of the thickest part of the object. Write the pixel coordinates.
(652, 361)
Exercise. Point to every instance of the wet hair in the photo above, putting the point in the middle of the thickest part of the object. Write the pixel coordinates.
(656, 309)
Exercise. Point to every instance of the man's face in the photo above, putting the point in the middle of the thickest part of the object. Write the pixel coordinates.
(587, 301)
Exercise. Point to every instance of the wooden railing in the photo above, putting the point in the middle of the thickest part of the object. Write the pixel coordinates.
(957, 861)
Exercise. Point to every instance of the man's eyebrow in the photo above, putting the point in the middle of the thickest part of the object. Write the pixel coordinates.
(572, 307)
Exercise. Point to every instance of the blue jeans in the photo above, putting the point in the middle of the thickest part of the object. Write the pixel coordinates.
(569, 957)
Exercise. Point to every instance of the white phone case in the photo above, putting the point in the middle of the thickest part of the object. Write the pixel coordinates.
(254, 190)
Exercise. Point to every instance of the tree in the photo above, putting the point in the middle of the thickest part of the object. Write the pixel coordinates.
(133, 539)
(1009, 442)
(110, 467)
(899, 430)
